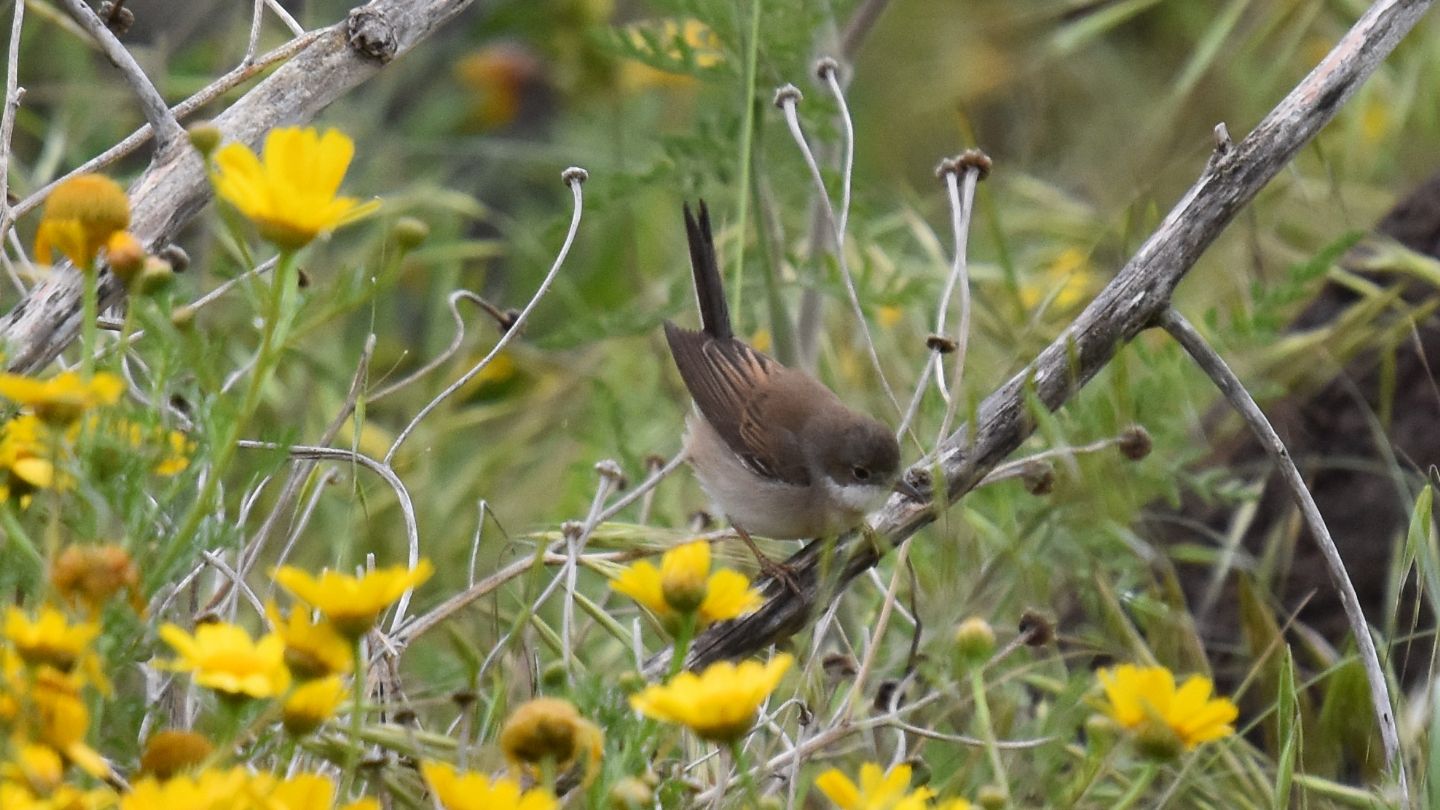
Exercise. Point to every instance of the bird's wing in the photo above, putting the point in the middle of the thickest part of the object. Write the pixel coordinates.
(727, 379)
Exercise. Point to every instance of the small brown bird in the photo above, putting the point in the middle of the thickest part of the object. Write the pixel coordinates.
(776, 450)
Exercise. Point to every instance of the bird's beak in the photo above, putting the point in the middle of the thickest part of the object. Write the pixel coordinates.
(909, 490)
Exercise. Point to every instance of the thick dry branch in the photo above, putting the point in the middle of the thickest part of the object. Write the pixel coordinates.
(1130, 303)
(174, 188)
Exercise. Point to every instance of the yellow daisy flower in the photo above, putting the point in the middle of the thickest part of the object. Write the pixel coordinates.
(311, 704)
(25, 464)
(463, 790)
(683, 583)
(1163, 719)
(720, 703)
(50, 639)
(305, 791)
(352, 604)
(223, 657)
(312, 650)
(61, 720)
(291, 195)
(211, 788)
(878, 790)
(63, 398)
(80, 216)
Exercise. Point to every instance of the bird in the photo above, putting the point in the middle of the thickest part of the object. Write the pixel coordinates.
(774, 448)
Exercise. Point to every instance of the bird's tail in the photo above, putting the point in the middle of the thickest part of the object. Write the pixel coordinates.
(709, 286)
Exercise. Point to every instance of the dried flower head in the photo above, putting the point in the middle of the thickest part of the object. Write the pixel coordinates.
(171, 751)
(550, 730)
(80, 216)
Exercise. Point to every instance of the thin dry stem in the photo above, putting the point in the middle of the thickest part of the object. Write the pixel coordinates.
(13, 95)
(574, 178)
(787, 102)
(960, 190)
(1229, 384)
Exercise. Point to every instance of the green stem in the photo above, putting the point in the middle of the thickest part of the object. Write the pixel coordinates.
(747, 779)
(747, 140)
(1138, 788)
(357, 713)
(280, 312)
(683, 636)
(987, 727)
(19, 538)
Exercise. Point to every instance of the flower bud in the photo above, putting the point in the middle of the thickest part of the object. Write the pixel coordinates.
(993, 797)
(409, 232)
(204, 136)
(154, 277)
(125, 255)
(555, 675)
(631, 794)
(974, 642)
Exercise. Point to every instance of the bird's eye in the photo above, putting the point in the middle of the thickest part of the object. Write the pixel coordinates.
(860, 473)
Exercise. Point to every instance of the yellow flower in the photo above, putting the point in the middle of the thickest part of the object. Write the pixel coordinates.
(291, 196)
(176, 459)
(311, 704)
(223, 657)
(61, 721)
(80, 216)
(62, 399)
(878, 790)
(170, 449)
(1145, 702)
(720, 703)
(673, 588)
(91, 575)
(208, 790)
(25, 452)
(311, 650)
(305, 791)
(50, 639)
(36, 767)
(1070, 277)
(352, 604)
(463, 790)
(550, 729)
(666, 42)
